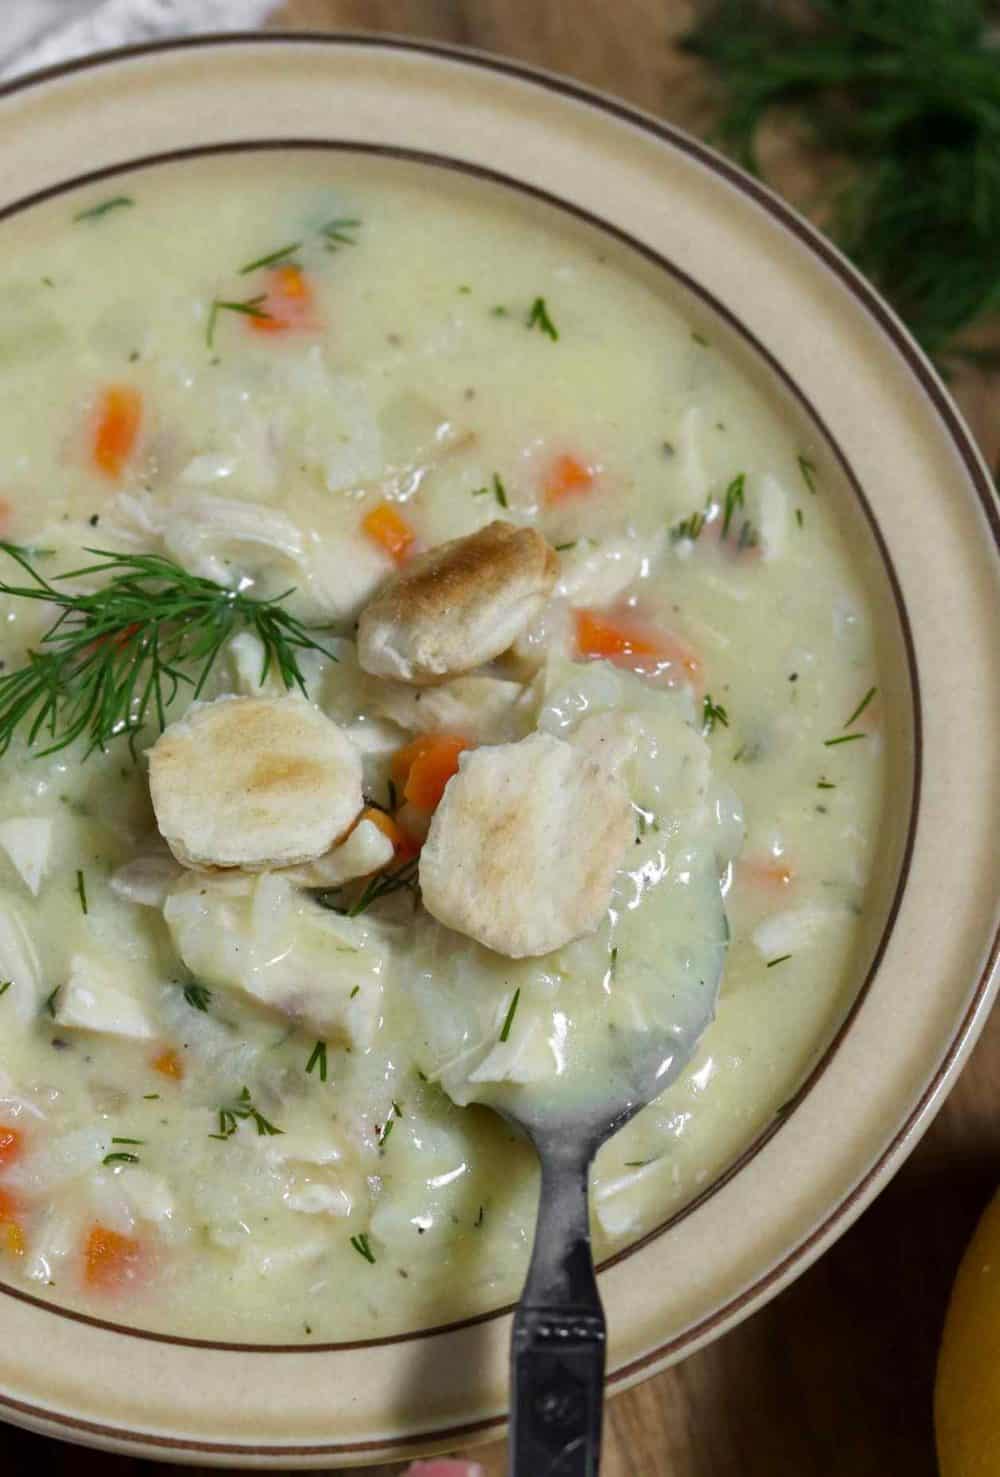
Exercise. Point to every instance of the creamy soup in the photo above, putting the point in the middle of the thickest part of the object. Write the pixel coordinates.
(471, 672)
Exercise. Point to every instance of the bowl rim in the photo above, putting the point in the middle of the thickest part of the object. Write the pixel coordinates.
(845, 1210)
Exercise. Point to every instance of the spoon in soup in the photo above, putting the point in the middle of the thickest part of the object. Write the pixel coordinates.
(559, 1333)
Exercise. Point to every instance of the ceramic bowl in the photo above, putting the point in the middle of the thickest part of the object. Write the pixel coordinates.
(917, 503)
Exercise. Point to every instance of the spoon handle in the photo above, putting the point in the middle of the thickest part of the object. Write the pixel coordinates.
(557, 1348)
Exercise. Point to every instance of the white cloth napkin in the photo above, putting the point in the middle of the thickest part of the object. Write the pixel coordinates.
(37, 33)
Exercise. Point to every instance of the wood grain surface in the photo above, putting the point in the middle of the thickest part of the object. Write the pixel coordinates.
(834, 1377)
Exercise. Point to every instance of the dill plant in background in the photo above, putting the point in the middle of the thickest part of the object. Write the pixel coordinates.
(908, 91)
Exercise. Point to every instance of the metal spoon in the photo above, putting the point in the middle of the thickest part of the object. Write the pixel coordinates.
(559, 1335)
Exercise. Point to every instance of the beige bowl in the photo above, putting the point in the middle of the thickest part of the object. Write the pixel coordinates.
(918, 503)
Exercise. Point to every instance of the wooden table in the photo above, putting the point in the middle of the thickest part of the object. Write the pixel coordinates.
(833, 1378)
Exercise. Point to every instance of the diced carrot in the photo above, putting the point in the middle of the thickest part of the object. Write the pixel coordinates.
(11, 1145)
(567, 477)
(406, 846)
(626, 641)
(288, 303)
(764, 872)
(116, 428)
(169, 1064)
(110, 1258)
(11, 1230)
(387, 527)
(425, 766)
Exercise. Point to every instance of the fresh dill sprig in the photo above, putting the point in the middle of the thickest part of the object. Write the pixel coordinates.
(844, 738)
(243, 1108)
(400, 879)
(711, 714)
(907, 94)
(317, 1061)
(5, 986)
(199, 997)
(538, 317)
(250, 307)
(96, 212)
(117, 656)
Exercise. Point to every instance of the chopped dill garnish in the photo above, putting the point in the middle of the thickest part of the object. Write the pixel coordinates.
(5, 986)
(116, 656)
(861, 707)
(799, 518)
(561, 548)
(382, 1134)
(699, 338)
(638, 1163)
(711, 714)
(748, 538)
(250, 308)
(50, 1002)
(500, 311)
(151, 1097)
(355, 991)
(96, 212)
(538, 317)
(808, 470)
(243, 1108)
(509, 1018)
(688, 528)
(362, 1246)
(733, 500)
(317, 1061)
(825, 785)
(422, 1075)
(272, 258)
(780, 960)
(495, 487)
(120, 1158)
(613, 966)
(479, 1218)
(81, 890)
(138, 1142)
(341, 231)
(197, 996)
(845, 738)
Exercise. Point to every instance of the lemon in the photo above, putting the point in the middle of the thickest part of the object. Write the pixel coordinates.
(967, 1396)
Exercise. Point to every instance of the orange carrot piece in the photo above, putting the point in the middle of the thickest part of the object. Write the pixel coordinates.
(11, 1230)
(169, 1064)
(764, 873)
(116, 429)
(567, 477)
(626, 641)
(404, 843)
(387, 527)
(111, 1258)
(11, 1145)
(425, 766)
(288, 303)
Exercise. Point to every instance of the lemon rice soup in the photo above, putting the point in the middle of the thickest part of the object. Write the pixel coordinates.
(429, 663)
